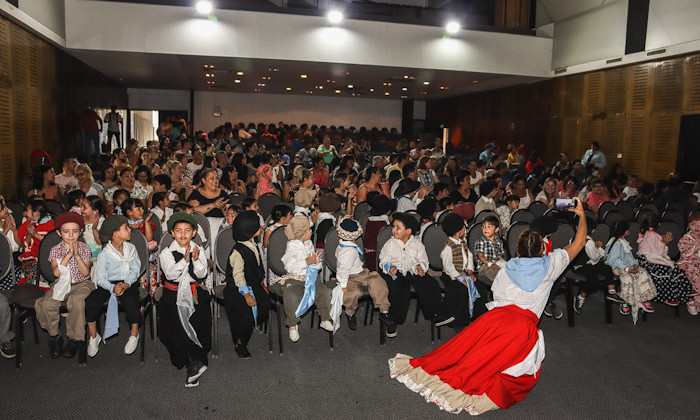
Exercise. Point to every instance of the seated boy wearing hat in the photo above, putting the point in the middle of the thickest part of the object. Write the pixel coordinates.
(352, 276)
(116, 272)
(184, 316)
(303, 200)
(328, 205)
(246, 300)
(300, 254)
(408, 196)
(458, 271)
(71, 261)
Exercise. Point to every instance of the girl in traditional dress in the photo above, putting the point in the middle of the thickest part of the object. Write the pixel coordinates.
(495, 361)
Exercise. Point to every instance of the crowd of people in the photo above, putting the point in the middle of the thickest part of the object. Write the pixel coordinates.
(320, 177)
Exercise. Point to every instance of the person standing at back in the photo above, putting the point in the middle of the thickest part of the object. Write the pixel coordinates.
(115, 124)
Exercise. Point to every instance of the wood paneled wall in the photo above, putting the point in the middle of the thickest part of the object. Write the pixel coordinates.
(633, 111)
(28, 118)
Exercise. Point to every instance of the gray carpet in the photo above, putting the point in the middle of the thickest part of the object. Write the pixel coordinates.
(591, 372)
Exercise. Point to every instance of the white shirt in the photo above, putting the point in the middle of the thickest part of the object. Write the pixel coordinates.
(66, 182)
(158, 215)
(278, 174)
(630, 192)
(294, 258)
(173, 270)
(405, 257)
(192, 169)
(594, 253)
(349, 262)
(448, 266)
(406, 203)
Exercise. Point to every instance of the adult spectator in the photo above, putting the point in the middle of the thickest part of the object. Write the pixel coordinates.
(322, 176)
(115, 125)
(426, 174)
(91, 124)
(488, 154)
(127, 181)
(535, 160)
(437, 151)
(327, 151)
(44, 184)
(464, 193)
(230, 183)
(86, 182)
(596, 196)
(109, 176)
(594, 158)
(208, 198)
(563, 164)
(373, 182)
(401, 160)
(196, 164)
(66, 179)
(519, 188)
(570, 188)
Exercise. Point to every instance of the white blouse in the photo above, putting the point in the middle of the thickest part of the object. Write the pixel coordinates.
(294, 258)
(405, 257)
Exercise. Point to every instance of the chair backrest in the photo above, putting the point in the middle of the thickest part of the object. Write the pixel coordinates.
(236, 198)
(54, 207)
(635, 228)
(442, 216)
(363, 220)
(17, 211)
(611, 217)
(675, 216)
(276, 247)
(473, 235)
(6, 260)
(642, 213)
(626, 209)
(591, 215)
(537, 208)
(514, 233)
(602, 233)
(651, 207)
(360, 210)
(331, 243)
(604, 208)
(157, 230)
(484, 214)
(266, 202)
(674, 206)
(668, 226)
(522, 215)
(414, 214)
(434, 239)
(562, 236)
(141, 244)
(383, 236)
(50, 240)
(224, 247)
(203, 222)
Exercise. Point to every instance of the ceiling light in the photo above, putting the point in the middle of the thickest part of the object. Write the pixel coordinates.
(320, 87)
(275, 69)
(386, 93)
(337, 91)
(475, 82)
(404, 89)
(261, 84)
(347, 74)
(204, 7)
(404, 97)
(303, 76)
(371, 90)
(426, 83)
(237, 81)
(239, 73)
(452, 27)
(288, 88)
(350, 86)
(335, 17)
(405, 77)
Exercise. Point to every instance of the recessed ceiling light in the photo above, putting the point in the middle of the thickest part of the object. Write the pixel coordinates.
(386, 93)
(350, 86)
(204, 7)
(261, 84)
(404, 97)
(303, 76)
(405, 77)
(335, 17)
(237, 81)
(320, 87)
(371, 90)
(404, 89)
(426, 83)
(239, 73)
(337, 91)
(452, 27)
(275, 69)
(347, 74)
(288, 88)
(424, 93)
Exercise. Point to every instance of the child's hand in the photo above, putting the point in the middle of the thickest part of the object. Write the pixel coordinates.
(419, 270)
(393, 270)
(250, 300)
(598, 244)
(31, 230)
(148, 218)
(187, 253)
(195, 253)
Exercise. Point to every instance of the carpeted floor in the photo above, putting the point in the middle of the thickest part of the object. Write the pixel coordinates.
(590, 372)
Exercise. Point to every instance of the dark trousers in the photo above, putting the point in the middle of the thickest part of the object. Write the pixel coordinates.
(240, 315)
(183, 350)
(591, 272)
(428, 292)
(116, 134)
(129, 300)
(456, 300)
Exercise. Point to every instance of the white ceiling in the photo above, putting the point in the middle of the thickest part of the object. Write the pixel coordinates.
(169, 71)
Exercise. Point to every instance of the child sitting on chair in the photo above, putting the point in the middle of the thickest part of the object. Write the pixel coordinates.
(184, 320)
(133, 209)
(30, 234)
(300, 260)
(458, 272)
(489, 250)
(71, 262)
(245, 298)
(352, 276)
(161, 209)
(116, 272)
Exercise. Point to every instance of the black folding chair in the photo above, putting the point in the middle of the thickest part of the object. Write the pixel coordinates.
(54, 207)
(360, 210)
(522, 215)
(266, 202)
(203, 222)
(514, 233)
(483, 215)
(537, 208)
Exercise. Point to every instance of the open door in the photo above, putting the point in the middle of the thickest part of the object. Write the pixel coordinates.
(689, 148)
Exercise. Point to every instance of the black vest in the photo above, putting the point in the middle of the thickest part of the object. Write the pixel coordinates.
(252, 270)
(177, 256)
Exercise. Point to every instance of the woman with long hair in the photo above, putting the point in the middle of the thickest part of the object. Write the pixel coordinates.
(44, 184)
(374, 181)
(230, 183)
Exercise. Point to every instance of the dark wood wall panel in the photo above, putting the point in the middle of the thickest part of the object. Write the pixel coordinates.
(634, 111)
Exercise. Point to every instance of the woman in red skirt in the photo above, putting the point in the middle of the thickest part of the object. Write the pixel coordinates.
(495, 361)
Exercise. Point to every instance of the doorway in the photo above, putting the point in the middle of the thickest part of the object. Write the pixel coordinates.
(689, 148)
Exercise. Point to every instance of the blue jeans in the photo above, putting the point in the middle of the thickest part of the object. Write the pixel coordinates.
(92, 139)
